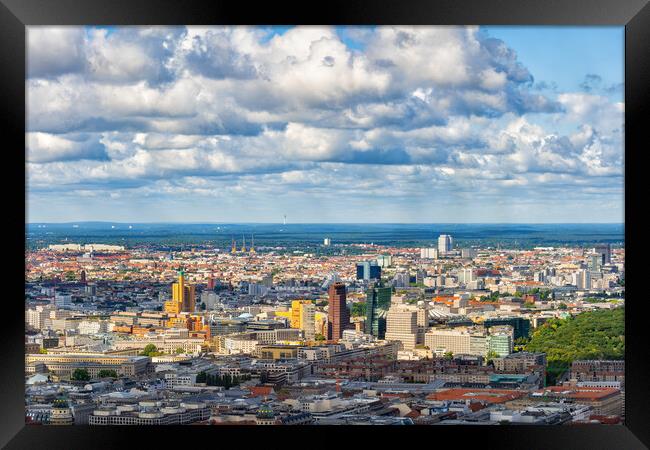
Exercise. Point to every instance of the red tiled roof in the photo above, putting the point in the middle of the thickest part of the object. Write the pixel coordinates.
(258, 391)
(413, 414)
(581, 393)
(482, 395)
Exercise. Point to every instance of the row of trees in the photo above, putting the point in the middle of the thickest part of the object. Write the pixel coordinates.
(83, 375)
(220, 380)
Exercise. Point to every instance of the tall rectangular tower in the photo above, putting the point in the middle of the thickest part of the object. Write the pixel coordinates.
(338, 314)
(183, 297)
(445, 243)
(377, 304)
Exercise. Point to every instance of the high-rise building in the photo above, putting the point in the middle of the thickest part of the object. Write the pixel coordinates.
(539, 277)
(90, 289)
(466, 275)
(384, 260)
(422, 322)
(303, 314)
(268, 280)
(308, 320)
(420, 275)
(183, 296)
(327, 242)
(595, 262)
(457, 341)
(402, 326)
(448, 340)
(62, 300)
(582, 279)
(210, 299)
(368, 270)
(445, 243)
(401, 280)
(468, 253)
(605, 252)
(501, 340)
(338, 314)
(377, 304)
(429, 253)
(520, 325)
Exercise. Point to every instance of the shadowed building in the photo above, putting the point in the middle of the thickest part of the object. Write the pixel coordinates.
(338, 314)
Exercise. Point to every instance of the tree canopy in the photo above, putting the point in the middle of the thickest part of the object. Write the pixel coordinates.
(220, 380)
(150, 350)
(107, 373)
(358, 309)
(589, 335)
(80, 375)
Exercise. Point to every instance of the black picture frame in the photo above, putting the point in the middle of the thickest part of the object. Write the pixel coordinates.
(15, 15)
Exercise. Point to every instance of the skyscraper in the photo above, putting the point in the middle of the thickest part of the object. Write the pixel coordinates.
(595, 262)
(183, 296)
(429, 253)
(338, 314)
(582, 279)
(377, 304)
(368, 270)
(605, 252)
(308, 320)
(445, 243)
(384, 260)
(402, 326)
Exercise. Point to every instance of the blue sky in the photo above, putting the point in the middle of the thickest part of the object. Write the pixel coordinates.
(325, 124)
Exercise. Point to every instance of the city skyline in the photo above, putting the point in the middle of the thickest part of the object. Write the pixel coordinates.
(325, 124)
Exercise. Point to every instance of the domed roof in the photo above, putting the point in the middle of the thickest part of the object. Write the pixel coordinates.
(245, 315)
(60, 403)
(265, 412)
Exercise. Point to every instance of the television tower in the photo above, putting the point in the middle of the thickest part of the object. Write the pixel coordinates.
(285, 219)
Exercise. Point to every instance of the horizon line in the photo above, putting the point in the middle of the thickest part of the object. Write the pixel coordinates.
(316, 223)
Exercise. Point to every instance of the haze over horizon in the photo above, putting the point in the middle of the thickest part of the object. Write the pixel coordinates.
(73, 222)
(411, 125)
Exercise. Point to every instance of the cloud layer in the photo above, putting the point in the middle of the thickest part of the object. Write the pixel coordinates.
(411, 124)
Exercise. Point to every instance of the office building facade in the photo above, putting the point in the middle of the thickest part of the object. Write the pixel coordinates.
(445, 243)
(338, 314)
(183, 297)
(377, 304)
(402, 326)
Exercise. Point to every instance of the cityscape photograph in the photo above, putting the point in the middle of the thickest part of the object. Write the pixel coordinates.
(332, 225)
